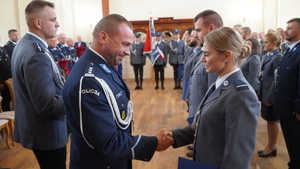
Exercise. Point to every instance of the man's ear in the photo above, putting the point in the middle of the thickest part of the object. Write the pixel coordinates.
(212, 27)
(102, 37)
(38, 23)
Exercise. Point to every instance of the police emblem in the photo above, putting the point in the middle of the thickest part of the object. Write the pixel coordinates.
(123, 115)
(294, 49)
(226, 82)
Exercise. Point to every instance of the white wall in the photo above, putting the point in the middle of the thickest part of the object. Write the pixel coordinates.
(76, 17)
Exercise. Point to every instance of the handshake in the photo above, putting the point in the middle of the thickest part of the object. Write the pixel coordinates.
(165, 139)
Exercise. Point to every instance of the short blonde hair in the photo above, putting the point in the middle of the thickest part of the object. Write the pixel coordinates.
(227, 39)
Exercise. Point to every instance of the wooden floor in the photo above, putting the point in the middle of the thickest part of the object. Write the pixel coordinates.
(155, 109)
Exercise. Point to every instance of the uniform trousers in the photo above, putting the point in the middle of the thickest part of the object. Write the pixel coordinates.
(159, 69)
(291, 132)
(138, 69)
(51, 159)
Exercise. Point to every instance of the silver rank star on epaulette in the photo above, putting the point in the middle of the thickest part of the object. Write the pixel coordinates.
(38, 47)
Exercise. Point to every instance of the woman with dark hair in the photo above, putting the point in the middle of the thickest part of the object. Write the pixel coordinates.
(250, 67)
(270, 60)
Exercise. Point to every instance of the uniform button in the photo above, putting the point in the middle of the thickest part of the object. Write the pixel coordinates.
(122, 105)
(287, 67)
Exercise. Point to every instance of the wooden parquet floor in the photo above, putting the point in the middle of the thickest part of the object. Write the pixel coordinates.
(155, 109)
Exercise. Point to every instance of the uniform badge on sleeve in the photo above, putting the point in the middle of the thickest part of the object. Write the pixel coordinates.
(105, 68)
(123, 115)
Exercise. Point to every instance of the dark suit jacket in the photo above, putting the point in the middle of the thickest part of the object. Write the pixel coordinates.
(250, 69)
(40, 121)
(113, 147)
(266, 92)
(83, 44)
(287, 97)
(9, 47)
(225, 127)
(5, 71)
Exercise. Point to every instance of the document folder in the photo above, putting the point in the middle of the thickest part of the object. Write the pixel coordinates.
(184, 163)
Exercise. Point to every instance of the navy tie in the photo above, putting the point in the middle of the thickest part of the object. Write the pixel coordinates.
(212, 89)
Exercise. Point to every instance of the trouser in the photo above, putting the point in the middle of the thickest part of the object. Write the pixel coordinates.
(6, 98)
(291, 132)
(138, 70)
(50, 159)
(159, 69)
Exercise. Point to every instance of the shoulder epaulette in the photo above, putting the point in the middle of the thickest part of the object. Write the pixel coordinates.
(240, 85)
(38, 47)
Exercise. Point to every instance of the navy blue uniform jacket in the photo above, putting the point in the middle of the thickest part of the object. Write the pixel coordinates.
(112, 147)
(287, 96)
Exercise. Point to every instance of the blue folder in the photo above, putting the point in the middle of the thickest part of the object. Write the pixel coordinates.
(180, 72)
(184, 163)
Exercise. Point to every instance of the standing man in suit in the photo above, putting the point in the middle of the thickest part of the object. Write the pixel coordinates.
(13, 39)
(101, 121)
(159, 65)
(287, 97)
(176, 56)
(79, 42)
(40, 120)
(138, 60)
(5, 73)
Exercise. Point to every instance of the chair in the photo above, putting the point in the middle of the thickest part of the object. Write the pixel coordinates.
(4, 126)
(10, 84)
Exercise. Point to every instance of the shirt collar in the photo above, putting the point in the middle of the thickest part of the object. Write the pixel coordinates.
(221, 79)
(293, 45)
(13, 42)
(97, 54)
(38, 38)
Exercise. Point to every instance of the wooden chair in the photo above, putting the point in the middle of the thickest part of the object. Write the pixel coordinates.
(4, 126)
(9, 82)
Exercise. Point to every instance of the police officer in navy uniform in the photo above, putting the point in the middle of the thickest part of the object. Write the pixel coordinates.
(5, 73)
(61, 45)
(13, 39)
(176, 56)
(40, 117)
(138, 60)
(54, 50)
(101, 112)
(287, 96)
(71, 52)
(159, 65)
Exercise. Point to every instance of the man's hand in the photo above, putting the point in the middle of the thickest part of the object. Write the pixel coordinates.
(165, 139)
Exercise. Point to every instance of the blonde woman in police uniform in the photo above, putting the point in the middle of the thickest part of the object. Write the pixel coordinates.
(224, 129)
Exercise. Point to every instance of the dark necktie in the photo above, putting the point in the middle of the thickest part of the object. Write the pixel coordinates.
(212, 89)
